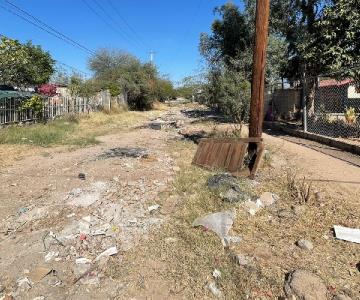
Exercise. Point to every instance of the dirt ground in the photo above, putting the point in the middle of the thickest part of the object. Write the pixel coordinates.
(144, 207)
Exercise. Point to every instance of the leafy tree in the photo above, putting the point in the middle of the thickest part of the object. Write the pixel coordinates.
(125, 72)
(165, 89)
(24, 64)
(337, 47)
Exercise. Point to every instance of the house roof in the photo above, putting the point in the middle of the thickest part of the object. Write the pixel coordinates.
(14, 94)
(334, 82)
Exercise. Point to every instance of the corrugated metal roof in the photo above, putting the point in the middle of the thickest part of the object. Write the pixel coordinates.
(334, 82)
(14, 94)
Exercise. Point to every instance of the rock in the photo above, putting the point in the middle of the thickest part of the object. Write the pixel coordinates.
(176, 169)
(219, 181)
(242, 260)
(285, 214)
(252, 207)
(214, 290)
(153, 208)
(305, 244)
(268, 199)
(216, 274)
(305, 285)
(232, 240)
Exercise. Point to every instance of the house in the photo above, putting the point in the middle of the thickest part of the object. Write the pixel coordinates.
(334, 96)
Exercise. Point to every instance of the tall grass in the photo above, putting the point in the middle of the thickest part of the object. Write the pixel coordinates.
(55, 132)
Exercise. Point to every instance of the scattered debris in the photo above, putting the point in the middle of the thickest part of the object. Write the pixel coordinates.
(268, 199)
(305, 285)
(39, 298)
(51, 255)
(82, 176)
(347, 234)
(242, 260)
(82, 260)
(305, 244)
(252, 207)
(232, 240)
(109, 252)
(216, 274)
(39, 273)
(194, 136)
(22, 210)
(228, 188)
(24, 284)
(153, 208)
(125, 152)
(158, 124)
(85, 198)
(214, 290)
(220, 223)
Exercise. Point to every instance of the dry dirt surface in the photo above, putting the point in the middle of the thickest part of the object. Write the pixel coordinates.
(114, 221)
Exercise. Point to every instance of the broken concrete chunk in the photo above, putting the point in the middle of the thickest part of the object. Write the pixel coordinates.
(125, 152)
(242, 260)
(347, 234)
(109, 252)
(252, 207)
(268, 199)
(51, 255)
(214, 290)
(305, 244)
(220, 223)
(305, 285)
(153, 208)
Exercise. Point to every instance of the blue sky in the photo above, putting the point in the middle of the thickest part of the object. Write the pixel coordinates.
(168, 27)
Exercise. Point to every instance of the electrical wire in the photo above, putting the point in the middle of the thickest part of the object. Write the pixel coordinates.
(43, 26)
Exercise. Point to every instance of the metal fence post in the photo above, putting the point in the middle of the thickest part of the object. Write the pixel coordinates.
(304, 104)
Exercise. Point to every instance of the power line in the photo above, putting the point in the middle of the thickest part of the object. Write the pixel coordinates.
(43, 26)
(111, 26)
(126, 23)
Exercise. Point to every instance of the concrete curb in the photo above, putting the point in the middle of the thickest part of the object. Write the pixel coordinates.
(314, 137)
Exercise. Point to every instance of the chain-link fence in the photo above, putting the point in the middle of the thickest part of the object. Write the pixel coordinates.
(332, 108)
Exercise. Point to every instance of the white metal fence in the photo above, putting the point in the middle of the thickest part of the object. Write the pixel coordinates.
(11, 111)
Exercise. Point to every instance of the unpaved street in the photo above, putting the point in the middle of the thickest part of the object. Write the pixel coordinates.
(56, 226)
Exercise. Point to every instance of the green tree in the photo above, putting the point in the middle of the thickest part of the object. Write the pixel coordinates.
(24, 64)
(126, 73)
(337, 46)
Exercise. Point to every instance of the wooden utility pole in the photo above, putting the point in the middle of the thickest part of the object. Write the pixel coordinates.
(259, 63)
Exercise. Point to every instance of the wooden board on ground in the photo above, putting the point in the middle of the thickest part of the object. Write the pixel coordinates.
(228, 154)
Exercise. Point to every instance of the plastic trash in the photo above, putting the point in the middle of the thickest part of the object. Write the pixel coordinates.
(216, 274)
(220, 223)
(214, 290)
(109, 252)
(153, 208)
(347, 234)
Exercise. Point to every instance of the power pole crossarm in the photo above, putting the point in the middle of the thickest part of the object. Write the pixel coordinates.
(259, 64)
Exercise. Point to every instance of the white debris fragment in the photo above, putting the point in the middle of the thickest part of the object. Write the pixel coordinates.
(153, 208)
(347, 234)
(51, 255)
(109, 252)
(214, 290)
(82, 261)
(216, 274)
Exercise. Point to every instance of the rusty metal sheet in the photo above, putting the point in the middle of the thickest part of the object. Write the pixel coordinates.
(227, 154)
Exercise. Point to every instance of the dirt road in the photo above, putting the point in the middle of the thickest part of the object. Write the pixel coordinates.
(53, 219)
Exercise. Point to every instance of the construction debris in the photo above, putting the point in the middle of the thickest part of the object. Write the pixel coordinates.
(347, 234)
(109, 252)
(39, 273)
(220, 223)
(125, 152)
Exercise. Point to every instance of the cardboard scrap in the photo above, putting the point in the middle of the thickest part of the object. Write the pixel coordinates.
(39, 273)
